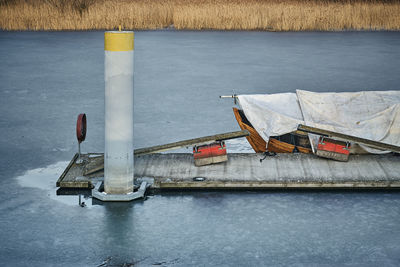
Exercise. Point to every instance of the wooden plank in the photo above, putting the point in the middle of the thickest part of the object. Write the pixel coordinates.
(180, 144)
(276, 185)
(355, 139)
(75, 184)
(95, 169)
(191, 142)
(66, 170)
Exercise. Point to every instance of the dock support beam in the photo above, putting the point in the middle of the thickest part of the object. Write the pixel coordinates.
(118, 77)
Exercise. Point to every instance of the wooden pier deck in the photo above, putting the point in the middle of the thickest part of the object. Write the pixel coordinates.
(245, 171)
(74, 174)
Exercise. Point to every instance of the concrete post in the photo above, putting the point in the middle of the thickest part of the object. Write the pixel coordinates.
(118, 77)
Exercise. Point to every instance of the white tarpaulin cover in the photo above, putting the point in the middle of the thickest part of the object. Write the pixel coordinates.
(373, 115)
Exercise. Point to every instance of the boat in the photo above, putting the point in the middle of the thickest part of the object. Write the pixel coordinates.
(296, 141)
(274, 120)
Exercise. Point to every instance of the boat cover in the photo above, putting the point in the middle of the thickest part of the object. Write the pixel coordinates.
(373, 115)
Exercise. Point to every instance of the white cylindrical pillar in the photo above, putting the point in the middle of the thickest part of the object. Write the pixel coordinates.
(118, 77)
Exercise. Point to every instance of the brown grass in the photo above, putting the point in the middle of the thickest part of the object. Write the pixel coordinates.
(274, 15)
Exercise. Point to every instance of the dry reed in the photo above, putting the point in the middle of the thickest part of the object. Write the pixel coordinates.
(273, 15)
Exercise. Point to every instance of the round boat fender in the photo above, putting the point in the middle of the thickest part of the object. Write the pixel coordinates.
(81, 128)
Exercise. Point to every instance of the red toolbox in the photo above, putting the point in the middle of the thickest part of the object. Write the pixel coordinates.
(209, 154)
(333, 149)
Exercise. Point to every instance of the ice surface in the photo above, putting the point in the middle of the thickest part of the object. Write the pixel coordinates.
(45, 179)
(239, 145)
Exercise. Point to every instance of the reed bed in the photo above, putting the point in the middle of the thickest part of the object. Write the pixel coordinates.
(272, 15)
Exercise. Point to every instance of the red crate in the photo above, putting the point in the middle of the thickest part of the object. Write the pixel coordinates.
(208, 154)
(333, 149)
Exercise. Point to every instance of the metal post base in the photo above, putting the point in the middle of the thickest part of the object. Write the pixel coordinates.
(120, 197)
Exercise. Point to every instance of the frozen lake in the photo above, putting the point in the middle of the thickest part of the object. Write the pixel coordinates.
(47, 78)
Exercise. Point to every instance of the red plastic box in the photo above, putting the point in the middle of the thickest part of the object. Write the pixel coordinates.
(209, 154)
(333, 149)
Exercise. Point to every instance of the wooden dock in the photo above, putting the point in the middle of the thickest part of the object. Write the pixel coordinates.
(246, 171)
(74, 174)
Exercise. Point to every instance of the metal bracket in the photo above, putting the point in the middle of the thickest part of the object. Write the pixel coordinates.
(120, 197)
(268, 154)
(234, 96)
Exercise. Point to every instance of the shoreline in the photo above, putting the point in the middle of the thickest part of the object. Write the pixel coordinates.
(195, 15)
(204, 30)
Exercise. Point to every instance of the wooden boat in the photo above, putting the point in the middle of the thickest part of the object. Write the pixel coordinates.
(288, 143)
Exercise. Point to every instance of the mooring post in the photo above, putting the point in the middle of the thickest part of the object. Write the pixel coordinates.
(118, 77)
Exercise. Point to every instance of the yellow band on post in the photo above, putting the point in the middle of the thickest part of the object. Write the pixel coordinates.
(118, 41)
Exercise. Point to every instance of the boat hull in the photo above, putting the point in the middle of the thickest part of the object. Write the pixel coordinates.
(258, 143)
